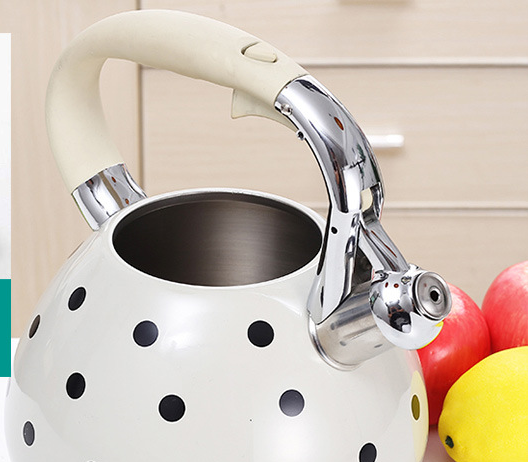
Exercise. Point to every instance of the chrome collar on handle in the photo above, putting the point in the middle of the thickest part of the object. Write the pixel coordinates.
(106, 193)
(365, 296)
(349, 168)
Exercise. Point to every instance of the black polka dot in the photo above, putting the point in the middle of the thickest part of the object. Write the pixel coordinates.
(28, 433)
(145, 333)
(368, 453)
(172, 408)
(291, 403)
(415, 407)
(34, 326)
(75, 385)
(77, 298)
(260, 334)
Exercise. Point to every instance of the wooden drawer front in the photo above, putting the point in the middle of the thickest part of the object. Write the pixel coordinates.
(375, 28)
(465, 135)
(46, 224)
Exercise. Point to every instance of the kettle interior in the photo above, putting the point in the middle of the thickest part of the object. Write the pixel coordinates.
(217, 238)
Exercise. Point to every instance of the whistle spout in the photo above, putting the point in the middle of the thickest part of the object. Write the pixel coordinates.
(402, 309)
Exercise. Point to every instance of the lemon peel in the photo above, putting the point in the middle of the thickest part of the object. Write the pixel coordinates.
(485, 412)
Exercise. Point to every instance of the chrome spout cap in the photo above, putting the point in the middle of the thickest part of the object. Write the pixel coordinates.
(409, 307)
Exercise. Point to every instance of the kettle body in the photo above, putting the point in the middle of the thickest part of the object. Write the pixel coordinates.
(121, 365)
(221, 324)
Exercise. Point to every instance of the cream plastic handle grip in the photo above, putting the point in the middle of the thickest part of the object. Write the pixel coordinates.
(184, 43)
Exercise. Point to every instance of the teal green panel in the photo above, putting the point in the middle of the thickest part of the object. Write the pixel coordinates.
(5, 327)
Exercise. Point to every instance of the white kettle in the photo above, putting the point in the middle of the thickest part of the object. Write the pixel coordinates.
(218, 324)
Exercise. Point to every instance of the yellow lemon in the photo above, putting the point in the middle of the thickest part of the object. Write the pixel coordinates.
(485, 413)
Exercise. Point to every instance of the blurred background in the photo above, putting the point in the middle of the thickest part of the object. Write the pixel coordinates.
(440, 87)
(5, 159)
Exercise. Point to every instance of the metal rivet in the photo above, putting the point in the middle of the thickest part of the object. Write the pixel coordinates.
(286, 109)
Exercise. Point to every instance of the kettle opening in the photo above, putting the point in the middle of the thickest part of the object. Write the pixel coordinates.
(217, 239)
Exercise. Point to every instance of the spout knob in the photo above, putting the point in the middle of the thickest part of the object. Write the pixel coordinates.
(409, 306)
(432, 296)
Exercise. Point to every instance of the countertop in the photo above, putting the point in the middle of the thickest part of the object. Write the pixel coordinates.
(434, 453)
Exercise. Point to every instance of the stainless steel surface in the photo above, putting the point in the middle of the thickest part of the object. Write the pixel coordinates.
(106, 193)
(432, 295)
(398, 300)
(396, 308)
(348, 166)
(217, 239)
(349, 335)
(358, 258)
(378, 247)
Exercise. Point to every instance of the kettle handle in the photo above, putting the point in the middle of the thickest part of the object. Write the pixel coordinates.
(266, 82)
(184, 43)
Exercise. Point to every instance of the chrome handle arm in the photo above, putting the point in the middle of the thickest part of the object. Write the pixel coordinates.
(341, 148)
(365, 296)
(349, 167)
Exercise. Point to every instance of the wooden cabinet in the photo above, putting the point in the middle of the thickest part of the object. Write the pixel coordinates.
(451, 77)
(324, 30)
(463, 128)
(46, 226)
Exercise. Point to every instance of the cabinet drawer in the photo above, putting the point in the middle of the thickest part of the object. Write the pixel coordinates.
(464, 129)
(375, 28)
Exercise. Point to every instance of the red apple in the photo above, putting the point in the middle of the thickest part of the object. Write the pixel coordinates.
(462, 343)
(505, 308)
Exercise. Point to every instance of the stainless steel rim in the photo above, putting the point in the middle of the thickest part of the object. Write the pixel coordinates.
(217, 238)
